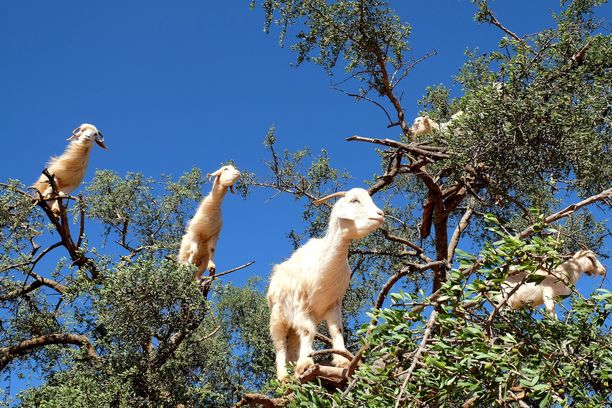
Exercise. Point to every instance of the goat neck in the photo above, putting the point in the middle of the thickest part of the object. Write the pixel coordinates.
(572, 269)
(76, 154)
(334, 246)
(216, 195)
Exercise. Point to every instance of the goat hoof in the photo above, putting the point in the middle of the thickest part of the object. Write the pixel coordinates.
(303, 364)
(342, 362)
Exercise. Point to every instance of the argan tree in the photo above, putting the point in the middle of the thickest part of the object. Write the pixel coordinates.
(530, 133)
(519, 177)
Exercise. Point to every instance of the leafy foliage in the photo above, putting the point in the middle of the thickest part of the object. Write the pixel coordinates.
(480, 353)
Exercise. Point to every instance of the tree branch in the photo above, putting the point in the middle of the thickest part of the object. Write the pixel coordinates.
(452, 246)
(493, 20)
(417, 355)
(344, 353)
(253, 399)
(386, 179)
(382, 295)
(317, 370)
(569, 210)
(7, 354)
(409, 148)
(420, 252)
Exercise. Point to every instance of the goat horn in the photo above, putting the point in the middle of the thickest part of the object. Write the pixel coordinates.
(75, 132)
(327, 197)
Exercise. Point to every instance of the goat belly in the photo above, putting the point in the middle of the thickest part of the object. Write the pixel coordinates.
(528, 294)
(326, 297)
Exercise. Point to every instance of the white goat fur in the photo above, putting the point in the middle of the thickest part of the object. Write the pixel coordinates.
(69, 168)
(200, 240)
(424, 125)
(556, 283)
(309, 287)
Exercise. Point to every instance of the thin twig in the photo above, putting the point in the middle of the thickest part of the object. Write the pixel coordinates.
(417, 355)
(569, 210)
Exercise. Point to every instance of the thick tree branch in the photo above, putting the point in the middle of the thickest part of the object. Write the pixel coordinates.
(262, 400)
(454, 241)
(408, 148)
(7, 354)
(20, 292)
(386, 179)
(334, 373)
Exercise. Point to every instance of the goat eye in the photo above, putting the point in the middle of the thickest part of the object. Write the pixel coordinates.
(354, 200)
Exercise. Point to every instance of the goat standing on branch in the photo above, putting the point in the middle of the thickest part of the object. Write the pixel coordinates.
(200, 239)
(555, 283)
(424, 125)
(68, 169)
(309, 287)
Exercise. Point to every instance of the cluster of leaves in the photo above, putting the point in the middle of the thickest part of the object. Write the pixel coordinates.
(351, 30)
(543, 103)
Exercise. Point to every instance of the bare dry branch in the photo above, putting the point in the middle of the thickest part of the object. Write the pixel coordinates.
(386, 179)
(323, 371)
(493, 20)
(420, 252)
(218, 275)
(323, 338)
(409, 148)
(7, 354)
(569, 210)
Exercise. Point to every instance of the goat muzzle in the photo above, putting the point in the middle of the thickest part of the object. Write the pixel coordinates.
(100, 141)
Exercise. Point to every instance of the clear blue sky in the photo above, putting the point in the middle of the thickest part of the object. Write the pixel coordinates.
(194, 83)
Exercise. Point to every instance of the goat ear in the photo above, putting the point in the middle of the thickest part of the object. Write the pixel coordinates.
(216, 173)
(345, 213)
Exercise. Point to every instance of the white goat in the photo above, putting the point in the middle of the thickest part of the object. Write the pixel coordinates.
(200, 240)
(69, 168)
(556, 283)
(424, 125)
(308, 287)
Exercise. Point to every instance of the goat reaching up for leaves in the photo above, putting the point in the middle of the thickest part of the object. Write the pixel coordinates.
(424, 125)
(309, 287)
(200, 240)
(554, 283)
(69, 168)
